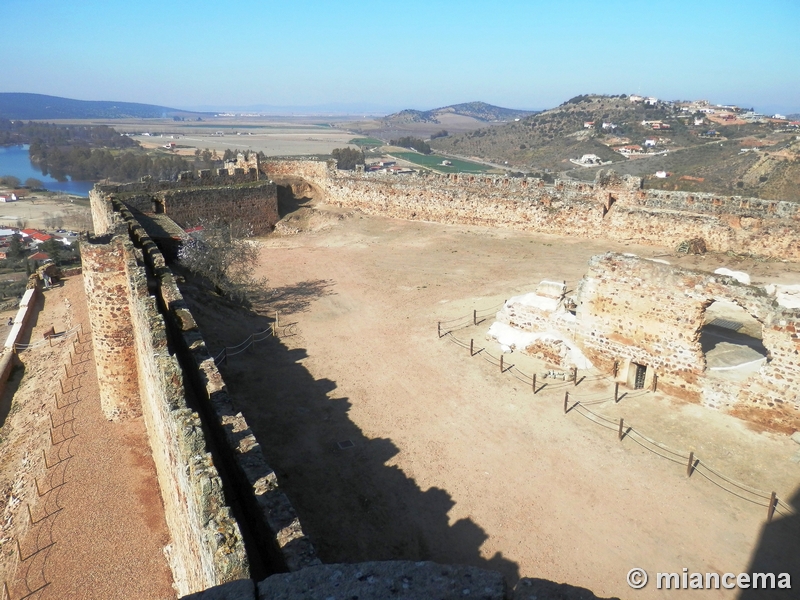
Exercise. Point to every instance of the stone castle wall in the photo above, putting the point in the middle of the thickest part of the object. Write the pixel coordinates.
(641, 311)
(278, 535)
(249, 205)
(130, 339)
(105, 278)
(613, 207)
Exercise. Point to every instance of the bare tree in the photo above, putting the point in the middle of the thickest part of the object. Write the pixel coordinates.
(222, 254)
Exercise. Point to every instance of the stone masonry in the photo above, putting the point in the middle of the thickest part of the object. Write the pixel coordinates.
(612, 207)
(138, 374)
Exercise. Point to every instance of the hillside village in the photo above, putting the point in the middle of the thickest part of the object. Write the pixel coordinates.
(690, 145)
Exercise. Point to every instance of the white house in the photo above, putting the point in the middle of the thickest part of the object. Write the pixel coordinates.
(12, 197)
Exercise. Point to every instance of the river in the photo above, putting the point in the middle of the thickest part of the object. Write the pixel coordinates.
(14, 160)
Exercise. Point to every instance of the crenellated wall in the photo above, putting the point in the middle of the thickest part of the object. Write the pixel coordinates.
(138, 374)
(163, 352)
(250, 205)
(612, 207)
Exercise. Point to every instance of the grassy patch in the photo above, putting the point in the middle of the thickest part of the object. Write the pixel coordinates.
(434, 162)
(366, 141)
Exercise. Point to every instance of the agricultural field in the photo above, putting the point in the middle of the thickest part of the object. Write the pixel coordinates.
(434, 162)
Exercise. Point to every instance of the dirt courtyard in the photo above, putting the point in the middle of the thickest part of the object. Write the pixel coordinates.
(395, 444)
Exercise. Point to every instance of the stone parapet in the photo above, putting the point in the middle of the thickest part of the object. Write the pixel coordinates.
(277, 534)
(138, 374)
(612, 207)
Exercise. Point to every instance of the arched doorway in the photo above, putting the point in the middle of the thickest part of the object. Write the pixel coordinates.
(731, 340)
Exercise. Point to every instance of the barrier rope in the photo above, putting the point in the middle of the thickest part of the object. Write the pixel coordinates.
(228, 351)
(693, 463)
(59, 336)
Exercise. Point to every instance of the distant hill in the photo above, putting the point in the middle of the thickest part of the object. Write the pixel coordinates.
(710, 157)
(19, 106)
(480, 111)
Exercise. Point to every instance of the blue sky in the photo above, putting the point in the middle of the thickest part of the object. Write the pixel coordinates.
(412, 54)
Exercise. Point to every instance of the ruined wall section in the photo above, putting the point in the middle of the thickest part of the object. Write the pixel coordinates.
(280, 538)
(636, 310)
(105, 278)
(613, 207)
(250, 206)
(206, 546)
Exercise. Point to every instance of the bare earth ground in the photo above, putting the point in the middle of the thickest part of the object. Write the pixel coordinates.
(455, 462)
(41, 209)
(99, 528)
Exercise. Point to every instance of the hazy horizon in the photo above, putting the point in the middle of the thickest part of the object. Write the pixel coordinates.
(311, 55)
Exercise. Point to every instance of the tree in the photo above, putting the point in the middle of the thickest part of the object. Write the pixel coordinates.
(15, 247)
(54, 249)
(221, 253)
(34, 184)
(10, 181)
(347, 158)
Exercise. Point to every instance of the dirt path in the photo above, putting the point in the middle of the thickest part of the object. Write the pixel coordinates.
(450, 460)
(98, 527)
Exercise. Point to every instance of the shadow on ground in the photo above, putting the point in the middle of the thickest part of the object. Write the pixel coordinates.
(353, 504)
(777, 551)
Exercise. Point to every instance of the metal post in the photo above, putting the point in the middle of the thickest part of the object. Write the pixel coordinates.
(773, 501)
(690, 466)
(621, 424)
(474, 317)
(534, 383)
(575, 375)
(655, 381)
(616, 367)
(616, 392)
(471, 347)
(439, 329)
(501, 363)
(566, 400)
(276, 317)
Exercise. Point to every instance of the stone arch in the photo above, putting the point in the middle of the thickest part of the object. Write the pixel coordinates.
(730, 336)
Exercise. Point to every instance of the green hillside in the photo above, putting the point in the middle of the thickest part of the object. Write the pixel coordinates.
(707, 156)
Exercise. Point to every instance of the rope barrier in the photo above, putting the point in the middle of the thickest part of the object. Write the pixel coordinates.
(248, 343)
(63, 335)
(647, 443)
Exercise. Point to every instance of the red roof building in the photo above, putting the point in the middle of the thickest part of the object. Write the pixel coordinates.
(36, 235)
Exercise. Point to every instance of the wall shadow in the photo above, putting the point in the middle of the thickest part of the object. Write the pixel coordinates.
(353, 504)
(288, 202)
(777, 551)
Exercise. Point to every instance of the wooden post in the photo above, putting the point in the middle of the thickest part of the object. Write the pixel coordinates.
(773, 501)
(621, 424)
(276, 317)
(616, 367)
(439, 328)
(474, 317)
(471, 347)
(655, 381)
(534, 383)
(501, 363)
(690, 466)
(616, 392)
(566, 400)
(575, 375)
